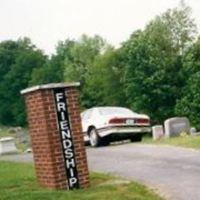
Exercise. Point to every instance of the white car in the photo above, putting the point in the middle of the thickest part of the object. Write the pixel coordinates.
(104, 124)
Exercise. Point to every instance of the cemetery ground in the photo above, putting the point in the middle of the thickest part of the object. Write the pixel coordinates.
(18, 182)
(171, 171)
(186, 141)
(4, 131)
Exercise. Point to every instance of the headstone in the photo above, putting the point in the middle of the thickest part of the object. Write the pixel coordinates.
(11, 130)
(7, 146)
(157, 132)
(175, 126)
(23, 137)
(193, 131)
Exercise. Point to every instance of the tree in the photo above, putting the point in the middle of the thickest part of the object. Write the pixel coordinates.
(79, 62)
(19, 58)
(181, 26)
(73, 61)
(81, 57)
(53, 70)
(189, 104)
(104, 83)
(153, 78)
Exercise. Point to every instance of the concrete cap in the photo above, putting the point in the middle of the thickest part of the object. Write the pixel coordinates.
(50, 86)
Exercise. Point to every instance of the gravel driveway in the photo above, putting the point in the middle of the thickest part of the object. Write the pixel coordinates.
(173, 171)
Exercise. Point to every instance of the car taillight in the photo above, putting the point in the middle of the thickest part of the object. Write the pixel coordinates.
(142, 121)
(117, 121)
(129, 121)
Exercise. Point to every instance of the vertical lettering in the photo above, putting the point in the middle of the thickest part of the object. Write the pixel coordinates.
(66, 138)
(72, 181)
(66, 134)
(70, 163)
(59, 96)
(61, 106)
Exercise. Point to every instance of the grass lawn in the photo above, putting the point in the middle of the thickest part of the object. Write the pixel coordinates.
(182, 141)
(4, 132)
(18, 182)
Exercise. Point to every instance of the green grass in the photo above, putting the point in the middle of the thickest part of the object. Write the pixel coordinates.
(182, 141)
(4, 132)
(18, 182)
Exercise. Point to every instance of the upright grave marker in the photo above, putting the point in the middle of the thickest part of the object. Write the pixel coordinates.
(157, 132)
(56, 135)
(175, 126)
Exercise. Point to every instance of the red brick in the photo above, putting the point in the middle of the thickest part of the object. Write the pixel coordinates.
(45, 138)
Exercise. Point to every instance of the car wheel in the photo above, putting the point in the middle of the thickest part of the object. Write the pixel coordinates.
(136, 138)
(95, 140)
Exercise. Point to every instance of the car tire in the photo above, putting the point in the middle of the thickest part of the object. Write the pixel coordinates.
(95, 140)
(136, 138)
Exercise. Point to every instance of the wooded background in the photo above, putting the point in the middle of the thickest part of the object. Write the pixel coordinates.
(156, 71)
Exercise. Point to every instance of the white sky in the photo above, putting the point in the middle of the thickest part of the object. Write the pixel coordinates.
(48, 21)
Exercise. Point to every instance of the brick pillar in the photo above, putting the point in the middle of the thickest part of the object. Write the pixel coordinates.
(52, 150)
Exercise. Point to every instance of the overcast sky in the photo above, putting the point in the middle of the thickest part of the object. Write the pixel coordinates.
(48, 21)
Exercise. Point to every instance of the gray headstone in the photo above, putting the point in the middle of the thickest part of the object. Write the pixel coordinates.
(7, 145)
(175, 126)
(22, 137)
(157, 132)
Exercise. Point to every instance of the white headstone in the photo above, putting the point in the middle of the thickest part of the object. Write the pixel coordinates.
(7, 145)
(157, 132)
(175, 126)
(193, 130)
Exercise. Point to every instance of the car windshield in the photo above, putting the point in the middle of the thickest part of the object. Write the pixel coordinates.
(113, 111)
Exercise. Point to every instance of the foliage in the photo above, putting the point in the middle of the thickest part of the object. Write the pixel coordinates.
(189, 104)
(81, 56)
(104, 83)
(53, 70)
(153, 78)
(17, 60)
(18, 182)
(181, 27)
(79, 63)
(155, 71)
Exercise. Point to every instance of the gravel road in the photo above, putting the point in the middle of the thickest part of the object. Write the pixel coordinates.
(174, 172)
